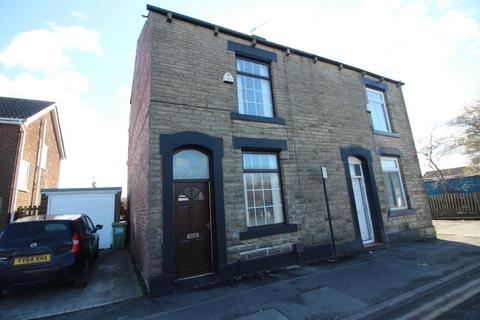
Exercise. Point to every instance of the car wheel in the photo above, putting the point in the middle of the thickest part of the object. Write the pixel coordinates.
(82, 279)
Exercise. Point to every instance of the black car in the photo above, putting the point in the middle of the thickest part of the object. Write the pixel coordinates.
(47, 248)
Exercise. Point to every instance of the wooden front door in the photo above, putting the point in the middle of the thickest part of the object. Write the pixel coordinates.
(192, 221)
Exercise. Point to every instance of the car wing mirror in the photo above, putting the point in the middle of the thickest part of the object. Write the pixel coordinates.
(98, 227)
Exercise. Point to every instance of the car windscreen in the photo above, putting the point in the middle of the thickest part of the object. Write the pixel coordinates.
(34, 230)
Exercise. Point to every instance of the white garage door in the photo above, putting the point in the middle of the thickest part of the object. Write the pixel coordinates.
(99, 207)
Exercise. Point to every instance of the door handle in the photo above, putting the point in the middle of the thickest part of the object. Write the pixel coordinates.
(208, 226)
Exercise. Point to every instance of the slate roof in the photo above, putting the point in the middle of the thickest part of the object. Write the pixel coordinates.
(16, 108)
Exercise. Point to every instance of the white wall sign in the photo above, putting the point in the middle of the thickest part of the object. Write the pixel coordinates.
(227, 77)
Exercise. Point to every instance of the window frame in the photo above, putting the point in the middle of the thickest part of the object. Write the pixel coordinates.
(44, 158)
(384, 107)
(89, 223)
(269, 79)
(398, 170)
(22, 184)
(280, 184)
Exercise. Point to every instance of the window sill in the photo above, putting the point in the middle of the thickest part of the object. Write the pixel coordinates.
(247, 117)
(401, 212)
(23, 190)
(386, 133)
(268, 230)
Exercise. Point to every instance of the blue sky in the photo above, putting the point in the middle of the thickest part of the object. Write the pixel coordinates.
(81, 54)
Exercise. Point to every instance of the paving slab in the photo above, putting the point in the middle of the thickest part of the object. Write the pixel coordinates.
(113, 279)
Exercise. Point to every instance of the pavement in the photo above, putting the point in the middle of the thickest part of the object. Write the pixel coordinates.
(112, 280)
(366, 286)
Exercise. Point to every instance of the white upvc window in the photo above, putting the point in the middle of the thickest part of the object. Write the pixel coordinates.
(263, 192)
(43, 162)
(393, 183)
(254, 88)
(23, 175)
(378, 110)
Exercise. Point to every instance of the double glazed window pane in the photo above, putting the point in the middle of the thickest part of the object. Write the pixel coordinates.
(253, 68)
(374, 95)
(190, 164)
(259, 161)
(377, 108)
(254, 92)
(393, 184)
(263, 198)
(395, 195)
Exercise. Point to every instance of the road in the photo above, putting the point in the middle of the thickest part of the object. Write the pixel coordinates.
(470, 309)
(467, 310)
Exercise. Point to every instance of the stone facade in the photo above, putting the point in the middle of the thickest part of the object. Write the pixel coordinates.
(324, 108)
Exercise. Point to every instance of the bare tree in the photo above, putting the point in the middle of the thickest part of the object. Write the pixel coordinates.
(469, 139)
(433, 148)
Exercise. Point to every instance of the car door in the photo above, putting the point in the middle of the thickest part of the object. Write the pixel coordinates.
(91, 236)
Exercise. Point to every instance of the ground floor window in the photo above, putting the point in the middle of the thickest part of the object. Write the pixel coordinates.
(263, 194)
(393, 183)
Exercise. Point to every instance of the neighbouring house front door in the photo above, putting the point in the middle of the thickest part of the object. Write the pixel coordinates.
(361, 200)
(192, 229)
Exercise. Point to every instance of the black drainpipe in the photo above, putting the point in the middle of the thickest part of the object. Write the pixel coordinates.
(333, 258)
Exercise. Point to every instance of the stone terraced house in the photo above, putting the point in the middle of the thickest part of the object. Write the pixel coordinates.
(228, 137)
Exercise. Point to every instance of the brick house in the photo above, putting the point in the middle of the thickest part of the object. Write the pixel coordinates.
(30, 153)
(227, 139)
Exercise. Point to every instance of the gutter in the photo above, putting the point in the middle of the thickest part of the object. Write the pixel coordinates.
(255, 39)
(13, 203)
(12, 121)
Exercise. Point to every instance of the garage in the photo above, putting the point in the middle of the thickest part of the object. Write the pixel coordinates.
(102, 205)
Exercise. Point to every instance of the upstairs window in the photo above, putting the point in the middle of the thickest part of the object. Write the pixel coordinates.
(393, 184)
(378, 109)
(263, 193)
(44, 157)
(254, 89)
(23, 175)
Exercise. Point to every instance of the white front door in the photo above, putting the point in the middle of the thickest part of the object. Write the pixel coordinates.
(361, 200)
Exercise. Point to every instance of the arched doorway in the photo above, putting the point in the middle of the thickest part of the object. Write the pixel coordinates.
(360, 196)
(192, 213)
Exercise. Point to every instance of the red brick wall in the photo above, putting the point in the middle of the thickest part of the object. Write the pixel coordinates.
(9, 141)
(49, 176)
(138, 152)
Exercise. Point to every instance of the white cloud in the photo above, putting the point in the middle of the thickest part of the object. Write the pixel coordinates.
(433, 47)
(46, 49)
(95, 142)
(79, 14)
